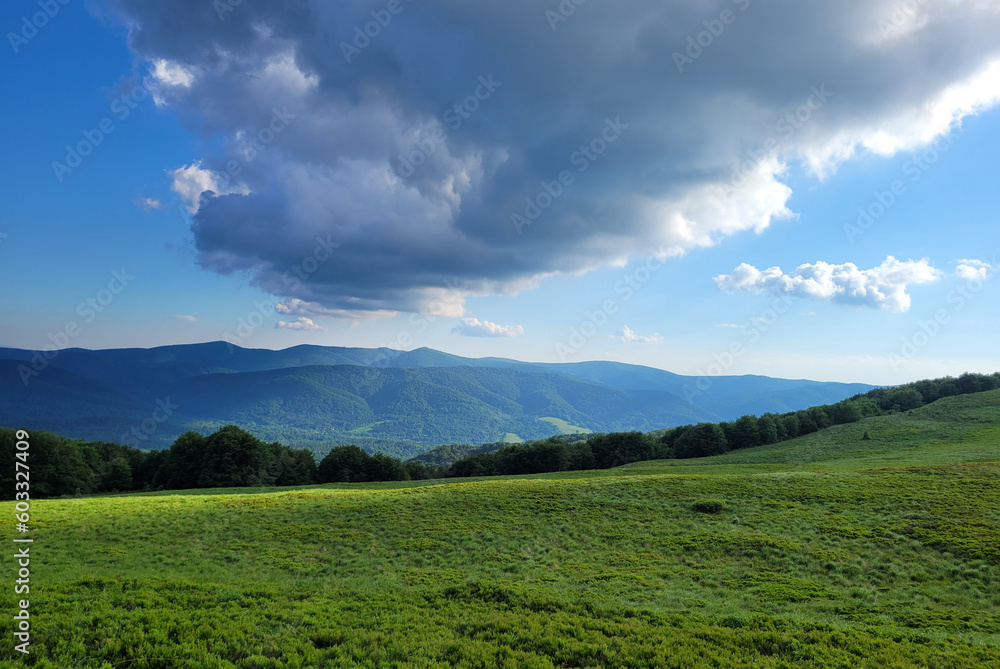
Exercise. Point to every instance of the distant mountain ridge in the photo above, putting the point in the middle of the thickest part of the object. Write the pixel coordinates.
(402, 402)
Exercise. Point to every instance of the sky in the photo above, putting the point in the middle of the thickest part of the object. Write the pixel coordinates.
(801, 190)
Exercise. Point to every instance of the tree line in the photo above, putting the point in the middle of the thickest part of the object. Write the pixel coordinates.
(705, 439)
(232, 457)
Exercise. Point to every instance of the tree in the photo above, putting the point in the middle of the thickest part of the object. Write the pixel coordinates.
(745, 433)
(819, 417)
(184, 462)
(119, 476)
(418, 471)
(767, 426)
(234, 457)
(844, 412)
(383, 468)
(580, 456)
(290, 466)
(807, 424)
(548, 456)
(58, 466)
(974, 383)
(905, 398)
(702, 440)
(619, 448)
(790, 421)
(343, 464)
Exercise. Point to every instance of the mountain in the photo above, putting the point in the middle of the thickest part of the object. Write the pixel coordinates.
(401, 402)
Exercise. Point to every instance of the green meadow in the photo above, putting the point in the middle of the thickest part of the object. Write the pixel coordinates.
(829, 550)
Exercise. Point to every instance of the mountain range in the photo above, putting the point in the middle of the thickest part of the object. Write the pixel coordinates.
(398, 402)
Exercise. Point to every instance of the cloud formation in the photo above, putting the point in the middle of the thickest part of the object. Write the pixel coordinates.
(148, 203)
(882, 287)
(975, 270)
(186, 318)
(297, 307)
(706, 152)
(300, 323)
(627, 336)
(473, 327)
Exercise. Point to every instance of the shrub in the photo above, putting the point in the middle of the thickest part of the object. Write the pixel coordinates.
(707, 506)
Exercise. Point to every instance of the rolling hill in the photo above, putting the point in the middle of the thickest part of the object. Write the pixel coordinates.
(400, 402)
(824, 551)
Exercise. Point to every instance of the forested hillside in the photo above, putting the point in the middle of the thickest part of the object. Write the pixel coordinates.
(400, 402)
(233, 457)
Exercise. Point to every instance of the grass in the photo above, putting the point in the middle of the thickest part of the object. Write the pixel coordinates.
(824, 551)
(566, 428)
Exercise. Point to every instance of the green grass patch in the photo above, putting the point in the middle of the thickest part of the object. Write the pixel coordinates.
(829, 551)
(564, 427)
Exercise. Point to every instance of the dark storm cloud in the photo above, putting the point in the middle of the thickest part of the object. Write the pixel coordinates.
(470, 148)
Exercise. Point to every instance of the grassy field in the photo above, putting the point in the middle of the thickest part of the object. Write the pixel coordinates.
(828, 551)
(566, 428)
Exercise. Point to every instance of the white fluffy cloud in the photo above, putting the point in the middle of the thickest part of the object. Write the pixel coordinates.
(473, 327)
(706, 153)
(883, 287)
(171, 74)
(975, 270)
(627, 336)
(190, 181)
(300, 323)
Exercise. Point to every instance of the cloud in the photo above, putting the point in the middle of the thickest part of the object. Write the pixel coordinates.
(191, 181)
(299, 307)
(300, 323)
(627, 336)
(171, 74)
(473, 327)
(883, 287)
(974, 270)
(185, 317)
(726, 325)
(707, 153)
(148, 203)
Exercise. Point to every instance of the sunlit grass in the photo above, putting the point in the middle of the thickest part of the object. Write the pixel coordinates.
(827, 551)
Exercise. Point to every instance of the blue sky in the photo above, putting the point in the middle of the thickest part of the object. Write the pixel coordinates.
(558, 290)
